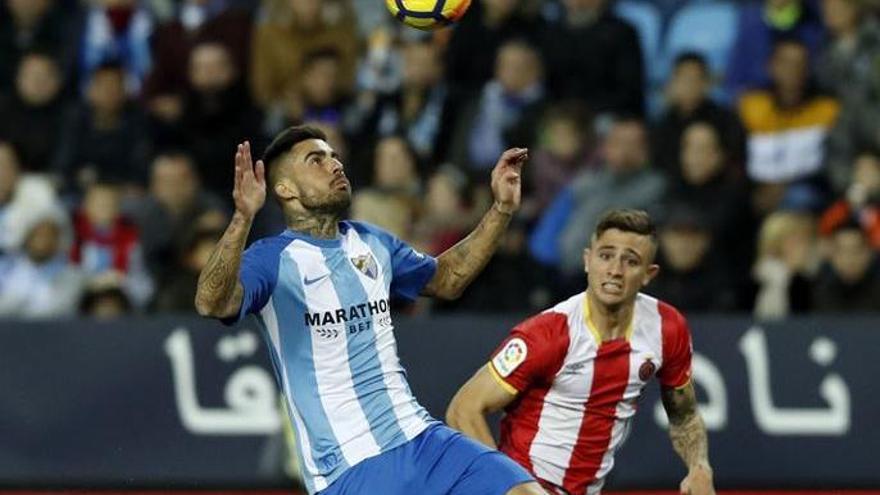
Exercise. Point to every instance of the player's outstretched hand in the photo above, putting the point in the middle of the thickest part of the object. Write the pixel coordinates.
(249, 192)
(507, 179)
(698, 482)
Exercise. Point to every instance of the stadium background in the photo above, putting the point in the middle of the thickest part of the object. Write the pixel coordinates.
(748, 129)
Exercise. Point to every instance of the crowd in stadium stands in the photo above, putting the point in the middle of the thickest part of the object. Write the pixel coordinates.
(750, 130)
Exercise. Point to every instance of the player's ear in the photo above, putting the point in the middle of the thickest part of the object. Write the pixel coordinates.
(650, 273)
(286, 190)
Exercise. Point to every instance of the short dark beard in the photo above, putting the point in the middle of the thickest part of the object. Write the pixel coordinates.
(332, 205)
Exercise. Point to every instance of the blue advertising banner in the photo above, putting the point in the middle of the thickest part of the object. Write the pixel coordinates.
(187, 402)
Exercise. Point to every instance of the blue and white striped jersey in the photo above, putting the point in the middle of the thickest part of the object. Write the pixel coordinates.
(324, 308)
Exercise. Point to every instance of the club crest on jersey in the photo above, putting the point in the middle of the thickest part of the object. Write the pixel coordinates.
(366, 264)
(646, 370)
(510, 356)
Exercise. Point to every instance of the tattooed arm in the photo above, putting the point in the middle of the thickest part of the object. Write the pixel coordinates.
(459, 265)
(688, 434)
(220, 293)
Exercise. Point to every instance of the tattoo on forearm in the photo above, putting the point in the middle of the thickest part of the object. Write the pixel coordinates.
(689, 440)
(219, 279)
(459, 265)
(686, 428)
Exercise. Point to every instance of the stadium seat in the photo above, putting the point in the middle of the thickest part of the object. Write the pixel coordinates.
(706, 27)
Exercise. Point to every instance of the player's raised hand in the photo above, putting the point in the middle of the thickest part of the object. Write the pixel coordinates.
(507, 179)
(698, 482)
(249, 192)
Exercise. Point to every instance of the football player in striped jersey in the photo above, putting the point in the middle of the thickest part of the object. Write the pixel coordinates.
(569, 378)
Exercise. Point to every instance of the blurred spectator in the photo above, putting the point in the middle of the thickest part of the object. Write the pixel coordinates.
(688, 101)
(392, 202)
(380, 66)
(40, 281)
(116, 30)
(505, 112)
(761, 26)
(445, 219)
(20, 195)
(174, 206)
(787, 124)
(691, 278)
(107, 241)
(861, 202)
(320, 96)
(564, 148)
(787, 259)
(371, 16)
(32, 115)
(194, 22)
(854, 43)
(594, 56)
(848, 67)
(625, 180)
(850, 278)
(511, 282)
(218, 114)
(177, 291)
(27, 25)
(419, 109)
(104, 136)
(289, 30)
(708, 182)
(104, 298)
(476, 39)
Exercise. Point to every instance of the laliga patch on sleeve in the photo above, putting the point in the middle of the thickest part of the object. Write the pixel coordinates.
(510, 356)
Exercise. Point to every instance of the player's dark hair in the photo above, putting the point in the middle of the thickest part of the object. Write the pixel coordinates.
(287, 139)
(283, 143)
(627, 220)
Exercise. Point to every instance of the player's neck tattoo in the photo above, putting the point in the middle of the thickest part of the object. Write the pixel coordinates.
(321, 225)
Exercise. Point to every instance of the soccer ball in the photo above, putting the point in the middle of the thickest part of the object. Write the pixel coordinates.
(427, 14)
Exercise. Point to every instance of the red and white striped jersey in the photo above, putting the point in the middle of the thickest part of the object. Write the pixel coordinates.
(577, 394)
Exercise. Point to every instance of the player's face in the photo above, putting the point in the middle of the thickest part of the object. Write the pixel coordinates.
(619, 264)
(316, 178)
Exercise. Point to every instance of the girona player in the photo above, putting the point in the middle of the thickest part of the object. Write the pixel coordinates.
(569, 378)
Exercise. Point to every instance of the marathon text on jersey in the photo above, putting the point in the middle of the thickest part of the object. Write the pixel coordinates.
(342, 315)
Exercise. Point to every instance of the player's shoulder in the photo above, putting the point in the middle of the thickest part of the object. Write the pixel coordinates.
(546, 322)
(366, 229)
(672, 320)
(269, 248)
(570, 306)
(362, 227)
(552, 323)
